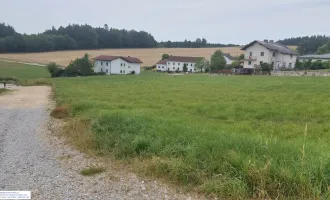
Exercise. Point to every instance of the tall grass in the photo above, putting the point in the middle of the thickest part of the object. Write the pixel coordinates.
(234, 137)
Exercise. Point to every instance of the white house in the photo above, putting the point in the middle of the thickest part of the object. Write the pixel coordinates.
(117, 64)
(229, 59)
(161, 65)
(258, 52)
(323, 58)
(176, 63)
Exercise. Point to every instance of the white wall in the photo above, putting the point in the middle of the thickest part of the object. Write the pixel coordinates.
(161, 67)
(279, 59)
(228, 61)
(117, 66)
(173, 66)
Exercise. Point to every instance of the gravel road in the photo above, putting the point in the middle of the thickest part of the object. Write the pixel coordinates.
(33, 159)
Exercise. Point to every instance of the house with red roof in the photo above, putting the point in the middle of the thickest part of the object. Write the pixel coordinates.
(117, 64)
(176, 63)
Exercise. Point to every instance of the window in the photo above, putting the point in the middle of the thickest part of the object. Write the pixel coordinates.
(121, 64)
(291, 56)
(106, 63)
(250, 53)
(101, 63)
(290, 65)
(163, 67)
(158, 67)
(261, 62)
(124, 71)
(284, 64)
(106, 70)
(124, 64)
(101, 70)
(168, 63)
(274, 54)
(173, 67)
(129, 66)
(190, 64)
(121, 71)
(173, 63)
(250, 62)
(178, 63)
(262, 53)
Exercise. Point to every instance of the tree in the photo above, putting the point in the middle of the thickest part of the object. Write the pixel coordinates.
(218, 61)
(165, 56)
(202, 64)
(324, 48)
(80, 67)
(299, 65)
(106, 27)
(185, 68)
(6, 30)
(266, 67)
(241, 56)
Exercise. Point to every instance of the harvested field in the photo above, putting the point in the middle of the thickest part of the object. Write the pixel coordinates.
(148, 56)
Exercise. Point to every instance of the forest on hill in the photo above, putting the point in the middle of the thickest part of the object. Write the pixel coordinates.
(309, 44)
(75, 37)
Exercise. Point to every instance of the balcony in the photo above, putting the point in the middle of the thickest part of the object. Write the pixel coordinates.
(250, 58)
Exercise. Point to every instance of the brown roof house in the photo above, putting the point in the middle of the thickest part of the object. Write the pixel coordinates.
(117, 64)
(176, 63)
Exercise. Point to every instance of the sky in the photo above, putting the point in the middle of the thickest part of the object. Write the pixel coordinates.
(218, 21)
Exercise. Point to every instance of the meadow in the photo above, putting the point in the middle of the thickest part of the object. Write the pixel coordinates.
(149, 57)
(21, 71)
(235, 137)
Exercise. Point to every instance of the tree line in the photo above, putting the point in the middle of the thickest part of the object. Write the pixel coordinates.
(75, 37)
(307, 44)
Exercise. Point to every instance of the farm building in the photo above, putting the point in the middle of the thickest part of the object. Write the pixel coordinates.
(323, 58)
(176, 63)
(258, 52)
(117, 64)
(229, 59)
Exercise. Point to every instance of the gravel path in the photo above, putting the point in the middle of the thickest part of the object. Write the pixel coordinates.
(32, 158)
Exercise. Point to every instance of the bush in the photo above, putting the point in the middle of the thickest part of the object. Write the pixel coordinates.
(132, 72)
(60, 112)
(54, 69)
(80, 67)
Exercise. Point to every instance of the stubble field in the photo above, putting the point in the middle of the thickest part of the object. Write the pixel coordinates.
(148, 56)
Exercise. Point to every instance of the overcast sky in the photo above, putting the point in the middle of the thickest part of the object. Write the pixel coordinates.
(220, 21)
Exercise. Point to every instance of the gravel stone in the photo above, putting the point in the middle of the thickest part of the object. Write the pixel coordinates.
(32, 158)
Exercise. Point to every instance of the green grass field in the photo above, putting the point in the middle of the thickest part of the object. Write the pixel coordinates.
(235, 137)
(21, 71)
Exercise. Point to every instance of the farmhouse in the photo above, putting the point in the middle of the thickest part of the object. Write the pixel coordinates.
(117, 64)
(323, 58)
(229, 59)
(258, 52)
(176, 63)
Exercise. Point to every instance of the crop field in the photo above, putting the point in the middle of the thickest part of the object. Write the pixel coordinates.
(149, 57)
(235, 137)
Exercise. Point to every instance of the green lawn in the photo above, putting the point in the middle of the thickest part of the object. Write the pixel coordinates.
(21, 71)
(235, 137)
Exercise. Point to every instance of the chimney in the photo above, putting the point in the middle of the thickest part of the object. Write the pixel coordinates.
(271, 41)
(265, 40)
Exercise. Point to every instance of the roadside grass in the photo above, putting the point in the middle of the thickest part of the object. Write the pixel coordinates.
(3, 90)
(26, 74)
(233, 137)
(91, 171)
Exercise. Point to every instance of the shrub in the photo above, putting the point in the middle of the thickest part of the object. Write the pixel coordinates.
(54, 69)
(80, 67)
(60, 112)
(132, 72)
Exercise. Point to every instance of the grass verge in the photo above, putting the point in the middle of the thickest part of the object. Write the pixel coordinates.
(2, 90)
(91, 171)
